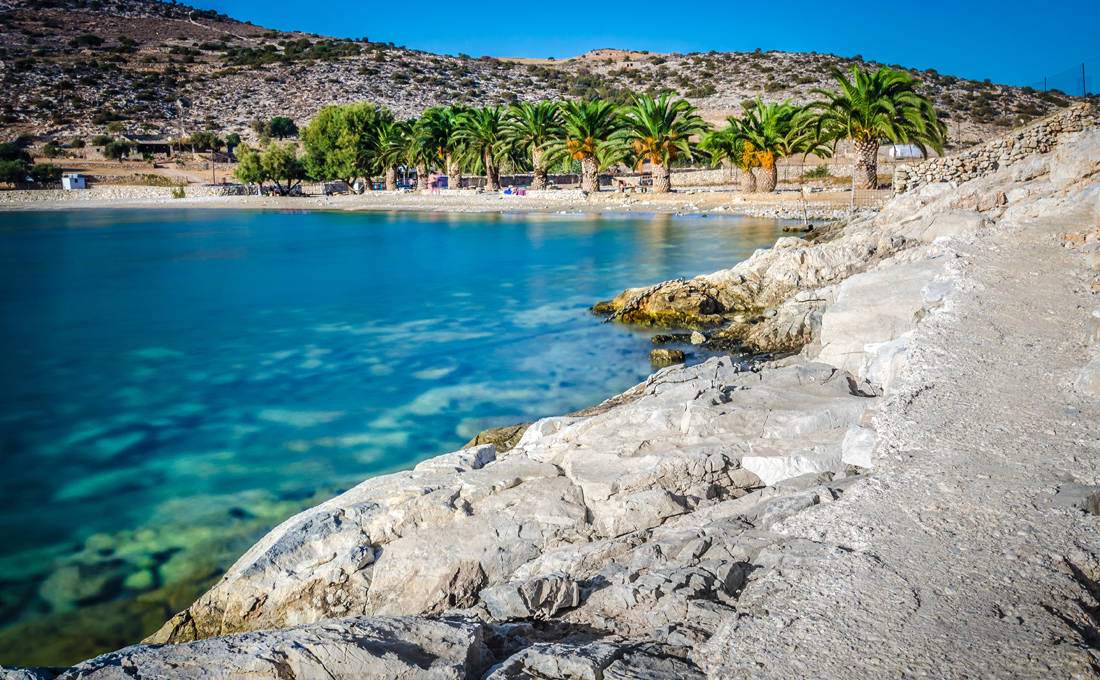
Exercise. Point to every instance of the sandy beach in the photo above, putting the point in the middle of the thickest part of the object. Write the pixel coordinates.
(787, 204)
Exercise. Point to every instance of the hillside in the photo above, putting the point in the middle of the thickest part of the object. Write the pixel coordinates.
(71, 67)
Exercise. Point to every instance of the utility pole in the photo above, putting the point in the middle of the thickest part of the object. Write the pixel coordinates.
(179, 122)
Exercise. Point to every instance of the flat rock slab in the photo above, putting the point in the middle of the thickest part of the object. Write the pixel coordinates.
(351, 648)
(971, 551)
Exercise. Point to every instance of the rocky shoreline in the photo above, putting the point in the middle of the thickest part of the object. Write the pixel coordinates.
(828, 514)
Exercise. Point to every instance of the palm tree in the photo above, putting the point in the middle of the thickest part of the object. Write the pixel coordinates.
(532, 127)
(659, 131)
(437, 128)
(727, 144)
(768, 131)
(587, 128)
(872, 107)
(395, 140)
(420, 153)
(482, 134)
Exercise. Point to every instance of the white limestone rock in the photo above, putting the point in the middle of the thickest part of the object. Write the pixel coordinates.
(872, 308)
(349, 648)
(1077, 157)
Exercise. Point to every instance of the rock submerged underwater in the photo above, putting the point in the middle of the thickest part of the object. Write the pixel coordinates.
(642, 538)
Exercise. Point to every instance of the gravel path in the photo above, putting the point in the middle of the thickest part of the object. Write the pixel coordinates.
(957, 558)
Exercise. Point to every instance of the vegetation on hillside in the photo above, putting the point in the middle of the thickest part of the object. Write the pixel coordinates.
(69, 75)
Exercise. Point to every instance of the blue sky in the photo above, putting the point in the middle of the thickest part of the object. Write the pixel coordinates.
(1011, 41)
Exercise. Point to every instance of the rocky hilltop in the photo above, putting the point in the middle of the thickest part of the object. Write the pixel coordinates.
(914, 493)
(163, 70)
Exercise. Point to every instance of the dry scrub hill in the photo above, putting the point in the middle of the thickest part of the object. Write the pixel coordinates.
(71, 67)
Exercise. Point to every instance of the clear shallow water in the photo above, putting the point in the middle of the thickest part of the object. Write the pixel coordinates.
(175, 382)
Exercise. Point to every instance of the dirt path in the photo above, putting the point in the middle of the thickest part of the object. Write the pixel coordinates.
(936, 566)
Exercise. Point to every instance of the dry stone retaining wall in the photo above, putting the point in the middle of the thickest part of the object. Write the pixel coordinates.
(1039, 137)
(115, 193)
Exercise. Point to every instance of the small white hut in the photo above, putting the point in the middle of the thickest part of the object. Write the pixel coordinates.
(901, 152)
(73, 180)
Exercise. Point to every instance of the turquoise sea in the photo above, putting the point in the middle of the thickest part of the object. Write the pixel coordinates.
(176, 382)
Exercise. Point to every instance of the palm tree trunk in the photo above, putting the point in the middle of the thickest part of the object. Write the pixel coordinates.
(454, 175)
(769, 177)
(422, 176)
(538, 182)
(590, 174)
(748, 181)
(391, 178)
(866, 170)
(662, 179)
(492, 176)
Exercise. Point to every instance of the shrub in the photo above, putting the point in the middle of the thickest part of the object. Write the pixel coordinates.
(116, 150)
(179, 192)
(281, 127)
(102, 140)
(86, 40)
(105, 116)
(206, 141)
(77, 143)
(50, 149)
(45, 172)
(13, 171)
(820, 172)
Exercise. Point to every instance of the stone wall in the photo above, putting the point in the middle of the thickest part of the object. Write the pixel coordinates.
(116, 193)
(1041, 136)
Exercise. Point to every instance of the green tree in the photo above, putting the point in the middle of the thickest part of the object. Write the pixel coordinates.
(727, 145)
(872, 107)
(282, 127)
(13, 171)
(394, 141)
(206, 141)
(45, 172)
(12, 152)
(531, 128)
(281, 165)
(249, 168)
(436, 131)
(102, 140)
(116, 150)
(482, 135)
(77, 143)
(51, 149)
(421, 155)
(659, 131)
(341, 142)
(232, 140)
(771, 131)
(587, 127)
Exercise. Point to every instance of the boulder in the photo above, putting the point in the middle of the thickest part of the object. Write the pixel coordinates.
(873, 308)
(540, 597)
(666, 357)
(358, 648)
(1077, 157)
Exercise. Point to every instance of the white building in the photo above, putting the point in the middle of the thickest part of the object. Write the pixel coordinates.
(900, 152)
(73, 180)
